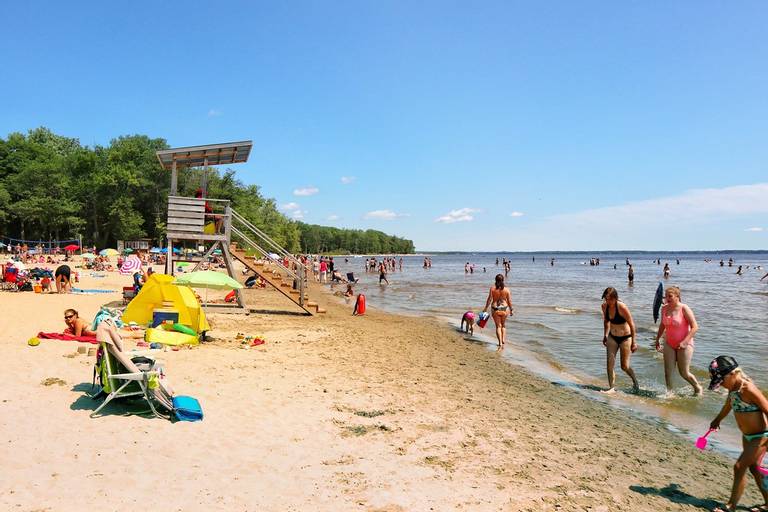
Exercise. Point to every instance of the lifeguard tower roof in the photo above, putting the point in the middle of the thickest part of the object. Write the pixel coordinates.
(211, 154)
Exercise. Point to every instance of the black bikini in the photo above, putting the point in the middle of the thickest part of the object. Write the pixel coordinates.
(616, 320)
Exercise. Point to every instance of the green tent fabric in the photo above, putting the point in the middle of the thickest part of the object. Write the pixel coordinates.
(208, 279)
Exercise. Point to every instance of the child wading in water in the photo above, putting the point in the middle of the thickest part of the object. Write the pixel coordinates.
(750, 408)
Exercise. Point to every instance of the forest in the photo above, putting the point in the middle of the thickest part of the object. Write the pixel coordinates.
(53, 188)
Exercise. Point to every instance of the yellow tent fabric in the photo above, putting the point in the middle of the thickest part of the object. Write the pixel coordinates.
(158, 289)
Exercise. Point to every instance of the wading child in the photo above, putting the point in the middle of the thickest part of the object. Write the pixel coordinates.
(750, 408)
(469, 320)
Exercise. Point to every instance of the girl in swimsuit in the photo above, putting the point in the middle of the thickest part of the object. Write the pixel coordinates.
(618, 335)
(679, 326)
(501, 306)
(750, 408)
(76, 325)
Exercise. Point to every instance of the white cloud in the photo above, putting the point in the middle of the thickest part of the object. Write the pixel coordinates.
(214, 112)
(332, 217)
(384, 215)
(306, 191)
(516, 214)
(460, 215)
(346, 180)
(755, 230)
(690, 206)
(289, 206)
(297, 214)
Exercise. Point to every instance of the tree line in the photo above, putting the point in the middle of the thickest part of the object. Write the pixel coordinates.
(52, 188)
(325, 239)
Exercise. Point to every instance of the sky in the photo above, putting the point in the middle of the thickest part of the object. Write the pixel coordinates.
(476, 126)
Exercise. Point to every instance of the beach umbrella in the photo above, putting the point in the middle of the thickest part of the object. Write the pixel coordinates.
(71, 247)
(156, 250)
(108, 252)
(127, 250)
(131, 264)
(176, 250)
(273, 256)
(208, 279)
(217, 251)
(89, 255)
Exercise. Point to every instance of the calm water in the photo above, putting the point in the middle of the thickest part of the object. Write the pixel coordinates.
(557, 326)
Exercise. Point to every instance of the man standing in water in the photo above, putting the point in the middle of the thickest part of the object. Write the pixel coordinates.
(631, 274)
(383, 273)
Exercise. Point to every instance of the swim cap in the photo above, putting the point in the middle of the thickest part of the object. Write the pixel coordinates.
(719, 368)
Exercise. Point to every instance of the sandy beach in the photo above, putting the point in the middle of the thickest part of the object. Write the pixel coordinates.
(333, 412)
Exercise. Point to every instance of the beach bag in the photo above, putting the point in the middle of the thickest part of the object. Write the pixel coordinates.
(187, 408)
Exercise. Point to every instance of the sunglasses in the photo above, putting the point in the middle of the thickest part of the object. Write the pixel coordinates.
(67, 317)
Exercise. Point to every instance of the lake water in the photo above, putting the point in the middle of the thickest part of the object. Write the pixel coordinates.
(557, 327)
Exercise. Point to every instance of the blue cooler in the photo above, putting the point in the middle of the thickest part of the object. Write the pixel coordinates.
(163, 315)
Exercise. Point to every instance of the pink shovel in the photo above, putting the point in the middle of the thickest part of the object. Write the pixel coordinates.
(701, 442)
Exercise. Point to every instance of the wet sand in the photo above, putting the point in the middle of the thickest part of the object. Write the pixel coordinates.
(334, 412)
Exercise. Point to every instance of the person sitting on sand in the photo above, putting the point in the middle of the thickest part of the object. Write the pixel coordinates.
(750, 408)
(501, 306)
(469, 320)
(350, 292)
(76, 325)
(619, 334)
(45, 283)
(63, 274)
(679, 326)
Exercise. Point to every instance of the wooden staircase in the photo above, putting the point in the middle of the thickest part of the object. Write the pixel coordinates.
(273, 277)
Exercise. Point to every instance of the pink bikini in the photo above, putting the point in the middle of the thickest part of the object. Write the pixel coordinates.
(676, 327)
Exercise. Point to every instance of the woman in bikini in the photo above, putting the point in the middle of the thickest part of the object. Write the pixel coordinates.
(750, 408)
(679, 326)
(501, 306)
(619, 334)
(76, 325)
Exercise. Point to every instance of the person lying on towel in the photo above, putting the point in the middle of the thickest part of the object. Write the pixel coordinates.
(76, 325)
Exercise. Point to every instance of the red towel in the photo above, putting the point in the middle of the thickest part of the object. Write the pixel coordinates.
(67, 337)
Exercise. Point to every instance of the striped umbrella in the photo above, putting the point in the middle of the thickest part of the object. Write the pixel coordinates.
(131, 264)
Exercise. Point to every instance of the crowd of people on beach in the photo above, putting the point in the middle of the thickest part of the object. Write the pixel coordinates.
(677, 328)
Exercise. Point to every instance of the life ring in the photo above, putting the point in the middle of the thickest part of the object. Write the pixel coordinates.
(359, 305)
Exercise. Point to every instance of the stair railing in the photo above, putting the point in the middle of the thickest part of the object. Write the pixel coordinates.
(299, 276)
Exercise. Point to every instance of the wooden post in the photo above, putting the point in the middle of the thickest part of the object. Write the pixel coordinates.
(174, 178)
(204, 180)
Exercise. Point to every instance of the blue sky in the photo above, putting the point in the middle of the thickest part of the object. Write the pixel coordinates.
(463, 126)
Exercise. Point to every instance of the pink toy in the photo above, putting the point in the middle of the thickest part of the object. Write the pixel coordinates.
(701, 442)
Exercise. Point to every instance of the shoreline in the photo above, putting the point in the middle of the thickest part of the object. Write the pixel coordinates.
(382, 412)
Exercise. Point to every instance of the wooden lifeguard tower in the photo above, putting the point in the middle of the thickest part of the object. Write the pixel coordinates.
(189, 220)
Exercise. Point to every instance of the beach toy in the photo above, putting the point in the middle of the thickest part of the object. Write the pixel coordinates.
(483, 319)
(701, 442)
(155, 345)
(257, 342)
(33, 342)
(359, 305)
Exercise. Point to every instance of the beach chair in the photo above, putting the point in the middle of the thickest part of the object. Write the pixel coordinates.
(10, 279)
(351, 277)
(121, 376)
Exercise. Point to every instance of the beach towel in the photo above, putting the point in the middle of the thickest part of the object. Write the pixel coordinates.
(84, 292)
(66, 337)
